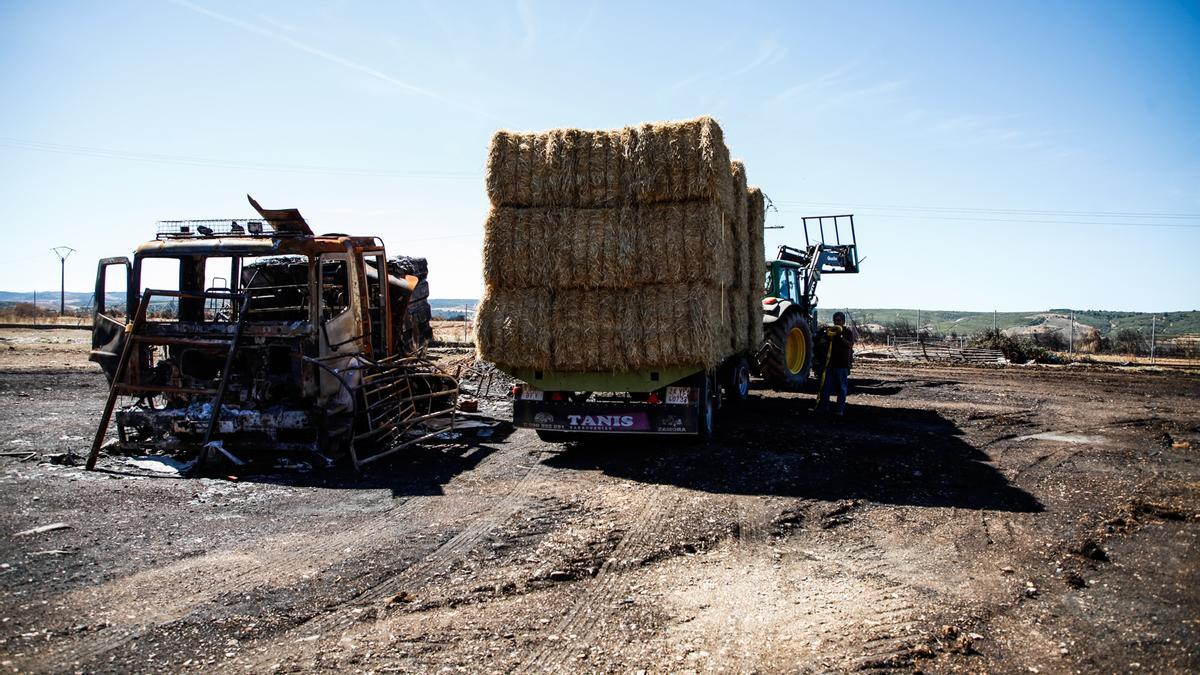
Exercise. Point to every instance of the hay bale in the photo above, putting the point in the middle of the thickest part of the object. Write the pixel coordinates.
(572, 248)
(736, 311)
(740, 245)
(756, 218)
(647, 164)
(602, 330)
(510, 327)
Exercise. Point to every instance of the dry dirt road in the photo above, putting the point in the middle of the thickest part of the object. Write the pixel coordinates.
(958, 519)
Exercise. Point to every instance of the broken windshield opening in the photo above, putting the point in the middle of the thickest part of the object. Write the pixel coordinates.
(278, 286)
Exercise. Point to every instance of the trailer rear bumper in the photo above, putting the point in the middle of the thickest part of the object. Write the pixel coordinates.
(603, 417)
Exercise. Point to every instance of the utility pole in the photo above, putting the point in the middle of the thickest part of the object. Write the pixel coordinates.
(63, 252)
(994, 328)
(1071, 339)
(1153, 319)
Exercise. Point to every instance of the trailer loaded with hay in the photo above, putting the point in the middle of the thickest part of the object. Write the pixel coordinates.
(623, 277)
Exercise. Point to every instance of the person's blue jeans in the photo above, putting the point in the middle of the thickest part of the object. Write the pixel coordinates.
(837, 380)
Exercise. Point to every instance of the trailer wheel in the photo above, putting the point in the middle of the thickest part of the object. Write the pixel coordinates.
(737, 381)
(789, 359)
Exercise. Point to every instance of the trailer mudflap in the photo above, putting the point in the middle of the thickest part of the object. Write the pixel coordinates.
(618, 417)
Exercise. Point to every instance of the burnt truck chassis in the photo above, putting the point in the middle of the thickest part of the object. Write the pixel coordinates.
(287, 374)
(390, 400)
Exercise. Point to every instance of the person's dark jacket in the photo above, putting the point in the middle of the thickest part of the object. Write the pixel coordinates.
(842, 349)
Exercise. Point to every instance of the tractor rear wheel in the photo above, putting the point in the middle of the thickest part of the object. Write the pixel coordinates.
(790, 357)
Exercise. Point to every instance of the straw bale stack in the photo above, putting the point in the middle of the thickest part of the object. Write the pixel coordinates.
(600, 330)
(624, 247)
(738, 248)
(756, 214)
(610, 251)
(645, 164)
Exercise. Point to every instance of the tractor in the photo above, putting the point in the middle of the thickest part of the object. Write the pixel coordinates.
(788, 353)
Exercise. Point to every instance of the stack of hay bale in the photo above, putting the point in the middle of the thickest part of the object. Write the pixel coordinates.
(610, 251)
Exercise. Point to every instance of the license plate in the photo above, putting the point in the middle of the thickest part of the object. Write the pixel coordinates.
(677, 395)
(531, 394)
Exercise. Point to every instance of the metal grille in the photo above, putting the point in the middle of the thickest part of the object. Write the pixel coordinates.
(227, 227)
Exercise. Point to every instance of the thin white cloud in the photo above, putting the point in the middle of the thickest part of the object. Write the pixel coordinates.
(994, 130)
(585, 25)
(825, 81)
(769, 52)
(332, 58)
(525, 12)
(281, 25)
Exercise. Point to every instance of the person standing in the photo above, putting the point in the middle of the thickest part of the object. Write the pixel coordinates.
(837, 366)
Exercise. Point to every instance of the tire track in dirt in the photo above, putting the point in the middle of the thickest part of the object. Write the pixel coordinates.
(344, 618)
(579, 624)
(154, 596)
(845, 606)
(754, 515)
(438, 558)
(885, 604)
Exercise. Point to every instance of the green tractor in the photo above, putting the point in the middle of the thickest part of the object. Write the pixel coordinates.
(786, 357)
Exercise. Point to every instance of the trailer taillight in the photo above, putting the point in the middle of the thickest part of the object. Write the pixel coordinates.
(653, 398)
(516, 391)
(556, 396)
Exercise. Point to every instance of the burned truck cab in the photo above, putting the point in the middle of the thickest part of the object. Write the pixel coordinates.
(260, 320)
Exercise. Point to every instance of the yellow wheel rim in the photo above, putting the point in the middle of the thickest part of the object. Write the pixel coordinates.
(797, 349)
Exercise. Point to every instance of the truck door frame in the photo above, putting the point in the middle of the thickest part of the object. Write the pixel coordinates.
(108, 334)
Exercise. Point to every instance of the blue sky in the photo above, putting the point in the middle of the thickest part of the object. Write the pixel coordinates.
(1001, 156)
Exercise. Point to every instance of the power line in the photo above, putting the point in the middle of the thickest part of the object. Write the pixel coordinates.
(913, 212)
(993, 210)
(181, 160)
(1022, 220)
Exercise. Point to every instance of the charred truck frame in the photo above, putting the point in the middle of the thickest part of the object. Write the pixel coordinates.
(272, 338)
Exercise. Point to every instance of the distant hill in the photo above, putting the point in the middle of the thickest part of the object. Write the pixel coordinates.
(452, 308)
(46, 299)
(969, 323)
(442, 307)
(1106, 322)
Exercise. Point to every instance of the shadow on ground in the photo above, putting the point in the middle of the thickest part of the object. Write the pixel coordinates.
(858, 385)
(776, 446)
(419, 470)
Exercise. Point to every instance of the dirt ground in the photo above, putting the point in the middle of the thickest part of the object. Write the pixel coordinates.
(1007, 519)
